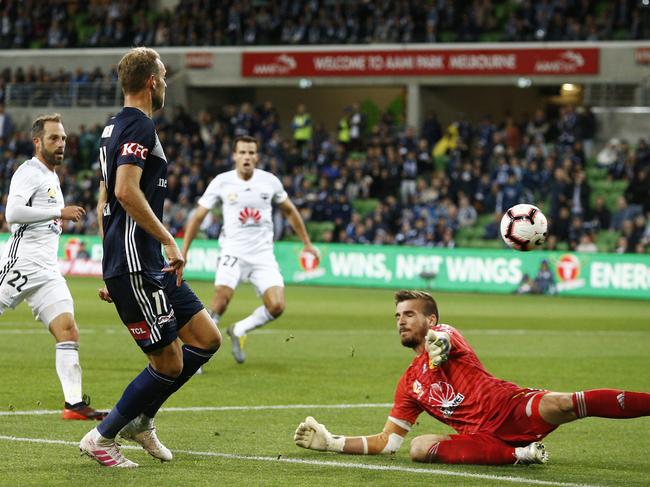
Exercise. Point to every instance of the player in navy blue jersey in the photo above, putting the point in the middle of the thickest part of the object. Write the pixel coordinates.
(161, 312)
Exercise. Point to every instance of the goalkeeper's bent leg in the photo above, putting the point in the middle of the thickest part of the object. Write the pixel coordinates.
(462, 449)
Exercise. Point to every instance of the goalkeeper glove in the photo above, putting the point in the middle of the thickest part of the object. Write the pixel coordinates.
(314, 436)
(438, 344)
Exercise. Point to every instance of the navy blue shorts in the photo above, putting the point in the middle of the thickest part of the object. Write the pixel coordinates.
(152, 307)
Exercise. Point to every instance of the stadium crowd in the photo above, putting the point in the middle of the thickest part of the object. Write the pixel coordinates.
(39, 87)
(422, 188)
(95, 23)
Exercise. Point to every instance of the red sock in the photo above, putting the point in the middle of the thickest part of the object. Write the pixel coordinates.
(477, 451)
(611, 403)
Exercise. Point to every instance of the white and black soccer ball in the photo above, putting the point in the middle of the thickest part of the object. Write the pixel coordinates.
(524, 227)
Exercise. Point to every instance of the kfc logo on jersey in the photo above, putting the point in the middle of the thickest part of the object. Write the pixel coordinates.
(139, 330)
(250, 216)
(443, 396)
(134, 149)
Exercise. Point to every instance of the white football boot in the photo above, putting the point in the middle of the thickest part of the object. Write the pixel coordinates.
(143, 432)
(104, 450)
(533, 453)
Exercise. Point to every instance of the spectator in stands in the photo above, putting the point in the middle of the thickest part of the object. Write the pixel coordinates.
(587, 126)
(600, 215)
(560, 226)
(622, 246)
(544, 282)
(586, 243)
(6, 124)
(538, 127)
(638, 190)
(580, 193)
(301, 127)
(358, 126)
(623, 212)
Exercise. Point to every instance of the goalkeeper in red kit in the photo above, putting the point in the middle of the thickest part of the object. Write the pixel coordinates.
(496, 422)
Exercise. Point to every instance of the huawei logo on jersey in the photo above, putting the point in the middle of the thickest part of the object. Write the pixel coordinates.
(134, 149)
(250, 216)
(443, 396)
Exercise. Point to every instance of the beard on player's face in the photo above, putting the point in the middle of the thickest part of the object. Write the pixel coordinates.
(54, 157)
(410, 341)
(411, 334)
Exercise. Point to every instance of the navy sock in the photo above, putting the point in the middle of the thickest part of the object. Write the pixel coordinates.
(193, 358)
(137, 395)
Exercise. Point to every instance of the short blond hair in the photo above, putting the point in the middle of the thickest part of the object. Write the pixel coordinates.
(430, 307)
(135, 67)
(38, 125)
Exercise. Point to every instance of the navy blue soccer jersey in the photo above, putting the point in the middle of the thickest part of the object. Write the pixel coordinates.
(130, 138)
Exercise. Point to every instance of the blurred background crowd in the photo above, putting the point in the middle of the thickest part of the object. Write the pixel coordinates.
(390, 183)
(98, 23)
(365, 181)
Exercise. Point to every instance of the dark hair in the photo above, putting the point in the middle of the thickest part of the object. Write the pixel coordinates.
(430, 307)
(135, 67)
(38, 125)
(245, 138)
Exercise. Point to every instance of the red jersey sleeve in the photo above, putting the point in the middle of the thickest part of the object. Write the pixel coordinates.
(405, 406)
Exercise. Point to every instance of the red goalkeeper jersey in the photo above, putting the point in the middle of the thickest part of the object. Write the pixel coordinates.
(459, 392)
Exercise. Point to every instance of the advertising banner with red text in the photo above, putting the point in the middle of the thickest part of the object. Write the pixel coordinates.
(430, 62)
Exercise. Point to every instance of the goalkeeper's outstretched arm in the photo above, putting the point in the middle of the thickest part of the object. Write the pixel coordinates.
(313, 435)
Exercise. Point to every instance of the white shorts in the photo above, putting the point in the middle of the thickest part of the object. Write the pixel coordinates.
(262, 271)
(40, 287)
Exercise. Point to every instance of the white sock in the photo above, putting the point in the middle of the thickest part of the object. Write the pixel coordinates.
(69, 370)
(256, 319)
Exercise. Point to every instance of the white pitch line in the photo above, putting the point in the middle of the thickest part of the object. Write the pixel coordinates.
(323, 463)
(40, 412)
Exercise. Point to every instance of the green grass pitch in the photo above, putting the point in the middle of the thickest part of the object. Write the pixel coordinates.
(331, 347)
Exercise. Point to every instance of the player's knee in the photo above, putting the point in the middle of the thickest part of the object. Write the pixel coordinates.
(276, 308)
(420, 446)
(63, 326)
(564, 403)
(214, 341)
(171, 369)
(424, 447)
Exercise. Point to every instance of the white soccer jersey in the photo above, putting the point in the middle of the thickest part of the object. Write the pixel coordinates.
(247, 210)
(35, 242)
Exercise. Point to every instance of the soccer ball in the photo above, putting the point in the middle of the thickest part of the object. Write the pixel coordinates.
(524, 227)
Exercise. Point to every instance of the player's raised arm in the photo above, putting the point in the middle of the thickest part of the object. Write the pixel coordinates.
(192, 228)
(134, 202)
(313, 435)
(292, 215)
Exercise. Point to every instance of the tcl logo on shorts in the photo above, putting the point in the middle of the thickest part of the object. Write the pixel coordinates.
(139, 330)
(135, 149)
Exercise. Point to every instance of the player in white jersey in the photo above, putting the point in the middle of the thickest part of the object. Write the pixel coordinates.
(29, 267)
(246, 195)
